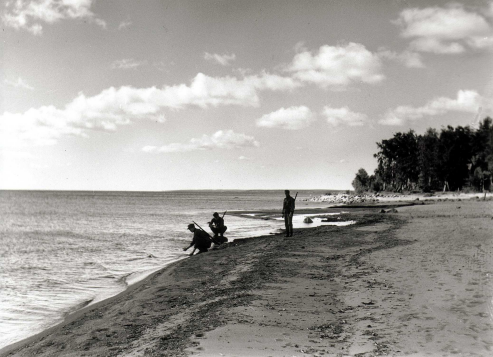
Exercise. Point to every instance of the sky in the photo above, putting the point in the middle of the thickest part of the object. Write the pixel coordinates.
(175, 95)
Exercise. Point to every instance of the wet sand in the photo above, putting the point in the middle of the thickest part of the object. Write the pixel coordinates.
(413, 283)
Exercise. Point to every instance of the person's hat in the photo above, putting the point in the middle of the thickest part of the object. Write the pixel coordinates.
(191, 225)
(215, 214)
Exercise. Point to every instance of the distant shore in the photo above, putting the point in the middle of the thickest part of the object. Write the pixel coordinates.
(411, 282)
(379, 197)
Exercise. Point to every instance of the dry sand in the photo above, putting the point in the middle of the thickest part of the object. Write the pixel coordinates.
(413, 283)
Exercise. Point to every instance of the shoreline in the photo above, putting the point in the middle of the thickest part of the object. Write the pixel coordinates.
(75, 311)
(74, 315)
(78, 312)
(86, 306)
(315, 293)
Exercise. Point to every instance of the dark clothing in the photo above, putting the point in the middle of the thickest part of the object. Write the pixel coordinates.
(218, 222)
(288, 205)
(216, 230)
(217, 225)
(288, 223)
(288, 211)
(201, 240)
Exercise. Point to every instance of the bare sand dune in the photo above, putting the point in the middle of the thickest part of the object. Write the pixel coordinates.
(413, 283)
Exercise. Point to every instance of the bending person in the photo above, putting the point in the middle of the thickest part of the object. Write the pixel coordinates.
(200, 241)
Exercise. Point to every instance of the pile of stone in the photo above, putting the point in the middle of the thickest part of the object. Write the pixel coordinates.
(344, 198)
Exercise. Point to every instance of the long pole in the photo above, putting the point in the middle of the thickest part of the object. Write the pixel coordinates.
(202, 229)
(296, 196)
(224, 214)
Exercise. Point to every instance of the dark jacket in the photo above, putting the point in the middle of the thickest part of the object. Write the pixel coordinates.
(288, 205)
(218, 222)
(201, 240)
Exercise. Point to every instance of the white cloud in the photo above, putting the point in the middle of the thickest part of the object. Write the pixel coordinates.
(105, 111)
(220, 140)
(20, 83)
(292, 118)
(124, 25)
(343, 116)
(114, 107)
(467, 101)
(446, 30)
(408, 58)
(336, 67)
(205, 91)
(127, 63)
(224, 60)
(243, 158)
(29, 14)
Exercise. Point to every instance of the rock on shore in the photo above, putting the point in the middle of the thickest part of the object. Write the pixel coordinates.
(344, 198)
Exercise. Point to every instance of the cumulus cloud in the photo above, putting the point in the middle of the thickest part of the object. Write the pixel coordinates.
(224, 60)
(467, 101)
(344, 116)
(221, 139)
(105, 111)
(407, 58)
(292, 118)
(336, 67)
(446, 30)
(19, 83)
(114, 107)
(127, 63)
(29, 14)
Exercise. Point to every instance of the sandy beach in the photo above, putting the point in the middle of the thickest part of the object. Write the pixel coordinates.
(416, 282)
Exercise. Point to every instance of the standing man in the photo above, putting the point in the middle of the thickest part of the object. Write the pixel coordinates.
(200, 241)
(287, 213)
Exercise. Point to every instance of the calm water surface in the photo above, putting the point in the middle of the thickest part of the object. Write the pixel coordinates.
(62, 250)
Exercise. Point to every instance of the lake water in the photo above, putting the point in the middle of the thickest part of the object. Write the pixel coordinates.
(63, 250)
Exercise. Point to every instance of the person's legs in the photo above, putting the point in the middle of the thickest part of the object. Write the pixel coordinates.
(290, 224)
(214, 230)
(286, 223)
(224, 229)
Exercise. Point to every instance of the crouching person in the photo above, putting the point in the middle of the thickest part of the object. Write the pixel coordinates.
(201, 240)
(218, 228)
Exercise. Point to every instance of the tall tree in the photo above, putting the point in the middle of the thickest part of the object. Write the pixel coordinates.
(398, 163)
(455, 155)
(361, 182)
(428, 160)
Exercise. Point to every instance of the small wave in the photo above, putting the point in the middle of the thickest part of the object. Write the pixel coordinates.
(79, 306)
(134, 259)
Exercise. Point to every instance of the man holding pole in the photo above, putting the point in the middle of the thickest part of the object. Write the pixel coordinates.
(218, 228)
(201, 240)
(287, 212)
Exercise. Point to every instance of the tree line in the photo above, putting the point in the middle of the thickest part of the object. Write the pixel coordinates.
(452, 159)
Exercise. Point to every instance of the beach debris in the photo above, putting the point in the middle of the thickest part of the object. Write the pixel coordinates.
(382, 211)
(393, 210)
(307, 220)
